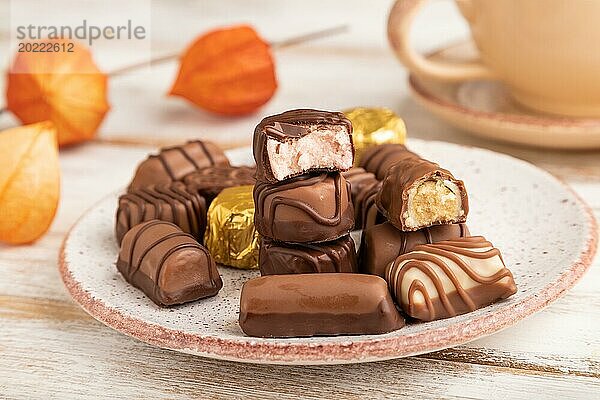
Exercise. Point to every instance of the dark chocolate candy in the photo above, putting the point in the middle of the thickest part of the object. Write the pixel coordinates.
(171, 203)
(381, 244)
(449, 278)
(308, 208)
(173, 163)
(417, 193)
(300, 141)
(210, 181)
(168, 265)
(317, 304)
(379, 159)
(277, 258)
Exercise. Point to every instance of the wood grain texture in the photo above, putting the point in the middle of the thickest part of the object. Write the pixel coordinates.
(50, 348)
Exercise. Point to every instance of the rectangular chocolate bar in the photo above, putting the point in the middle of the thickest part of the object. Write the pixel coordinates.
(381, 244)
(416, 193)
(449, 278)
(317, 304)
(300, 141)
(277, 258)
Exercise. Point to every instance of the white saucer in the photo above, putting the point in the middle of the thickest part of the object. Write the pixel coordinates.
(485, 108)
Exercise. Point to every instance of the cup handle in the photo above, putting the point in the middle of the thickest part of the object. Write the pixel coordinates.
(399, 23)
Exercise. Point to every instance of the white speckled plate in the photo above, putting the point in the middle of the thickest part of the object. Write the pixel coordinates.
(546, 233)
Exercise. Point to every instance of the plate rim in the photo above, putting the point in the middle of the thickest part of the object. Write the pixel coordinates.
(377, 349)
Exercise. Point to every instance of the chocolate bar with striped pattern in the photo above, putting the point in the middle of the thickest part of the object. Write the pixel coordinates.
(167, 264)
(173, 163)
(172, 203)
(449, 278)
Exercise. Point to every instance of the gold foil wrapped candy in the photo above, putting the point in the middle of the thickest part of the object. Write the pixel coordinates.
(230, 236)
(372, 126)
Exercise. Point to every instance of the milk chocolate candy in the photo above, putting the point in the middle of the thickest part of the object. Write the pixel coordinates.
(308, 208)
(317, 305)
(168, 265)
(417, 193)
(381, 244)
(370, 214)
(278, 258)
(171, 203)
(362, 185)
(210, 181)
(300, 141)
(379, 159)
(449, 278)
(173, 163)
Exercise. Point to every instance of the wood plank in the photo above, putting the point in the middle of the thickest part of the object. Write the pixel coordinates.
(69, 350)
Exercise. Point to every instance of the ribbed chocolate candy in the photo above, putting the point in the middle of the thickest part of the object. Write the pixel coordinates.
(168, 265)
(170, 203)
(173, 163)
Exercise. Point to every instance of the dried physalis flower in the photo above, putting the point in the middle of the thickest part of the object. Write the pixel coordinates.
(65, 87)
(227, 71)
(29, 182)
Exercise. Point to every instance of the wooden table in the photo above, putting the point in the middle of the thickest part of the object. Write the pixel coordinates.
(50, 348)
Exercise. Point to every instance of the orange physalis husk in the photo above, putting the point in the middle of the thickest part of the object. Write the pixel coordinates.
(65, 88)
(227, 71)
(29, 182)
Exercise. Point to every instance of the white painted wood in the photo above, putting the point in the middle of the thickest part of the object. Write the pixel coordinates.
(49, 348)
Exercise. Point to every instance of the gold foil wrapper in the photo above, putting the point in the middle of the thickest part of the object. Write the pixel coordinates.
(230, 236)
(373, 126)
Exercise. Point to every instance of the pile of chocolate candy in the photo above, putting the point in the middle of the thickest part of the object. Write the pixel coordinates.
(187, 210)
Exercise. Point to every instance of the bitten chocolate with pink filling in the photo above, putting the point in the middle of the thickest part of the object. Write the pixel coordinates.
(300, 141)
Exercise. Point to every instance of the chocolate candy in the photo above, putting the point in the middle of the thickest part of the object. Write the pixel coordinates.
(173, 163)
(362, 187)
(317, 304)
(417, 193)
(449, 278)
(277, 258)
(300, 141)
(211, 180)
(381, 244)
(308, 208)
(374, 126)
(379, 159)
(231, 237)
(171, 203)
(168, 265)
(370, 214)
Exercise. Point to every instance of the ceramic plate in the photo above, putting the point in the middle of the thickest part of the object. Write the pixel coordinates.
(547, 236)
(485, 108)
